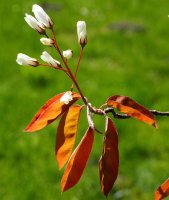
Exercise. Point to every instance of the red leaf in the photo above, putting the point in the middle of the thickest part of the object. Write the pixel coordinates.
(162, 191)
(109, 161)
(131, 108)
(66, 134)
(77, 161)
(50, 112)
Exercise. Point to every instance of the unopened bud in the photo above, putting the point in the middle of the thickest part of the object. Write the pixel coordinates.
(33, 23)
(23, 59)
(46, 57)
(47, 41)
(68, 54)
(41, 16)
(81, 33)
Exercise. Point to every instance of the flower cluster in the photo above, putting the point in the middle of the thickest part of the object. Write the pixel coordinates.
(40, 23)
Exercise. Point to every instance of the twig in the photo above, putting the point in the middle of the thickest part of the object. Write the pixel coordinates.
(77, 66)
(159, 113)
(89, 117)
(78, 63)
(97, 130)
(91, 109)
(68, 69)
(124, 116)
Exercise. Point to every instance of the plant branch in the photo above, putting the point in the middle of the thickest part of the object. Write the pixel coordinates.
(98, 111)
(159, 113)
(54, 67)
(77, 66)
(124, 116)
(121, 116)
(89, 117)
(78, 63)
(68, 69)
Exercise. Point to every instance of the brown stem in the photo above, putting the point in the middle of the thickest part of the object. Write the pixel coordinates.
(159, 113)
(78, 63)
(89, 117)
(46, 34)
(125, 116)
(98, 131)
(54, 35)
(77, 66)
(54, 67)
(68, 69)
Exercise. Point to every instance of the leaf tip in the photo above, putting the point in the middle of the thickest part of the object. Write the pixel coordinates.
(60, 166)
(62, 189)
(106, 195)
(26, 130)
(63, 186)
(155, 124)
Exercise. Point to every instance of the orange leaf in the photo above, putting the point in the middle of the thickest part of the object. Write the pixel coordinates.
(77, 161)
(162, 191)
(50, 112)
(66, 134)
(131, 108)
(109, 161)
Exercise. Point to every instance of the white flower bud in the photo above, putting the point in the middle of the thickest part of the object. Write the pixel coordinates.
(41, 16)
(67, 97)
(23, 59)
(33, 23)
(81, 33)
(47, 41)
(68, 54)
(46, 57)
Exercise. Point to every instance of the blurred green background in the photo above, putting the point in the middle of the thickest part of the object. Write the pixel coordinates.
(127, 53)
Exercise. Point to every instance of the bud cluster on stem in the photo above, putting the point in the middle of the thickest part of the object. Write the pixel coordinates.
(40, 22)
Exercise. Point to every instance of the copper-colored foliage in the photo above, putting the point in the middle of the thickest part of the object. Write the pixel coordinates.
(66, 134)
(77, 161)
(49, 112)
(131, 108)
(162, 191)
(109, 161)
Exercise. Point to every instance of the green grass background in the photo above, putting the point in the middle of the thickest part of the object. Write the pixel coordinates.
(131, 63)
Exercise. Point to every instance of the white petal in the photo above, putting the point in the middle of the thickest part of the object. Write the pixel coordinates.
(46, 57)
(81, 32)
(41, 15)
(82, 36)
(33, 23)
(23, 59)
